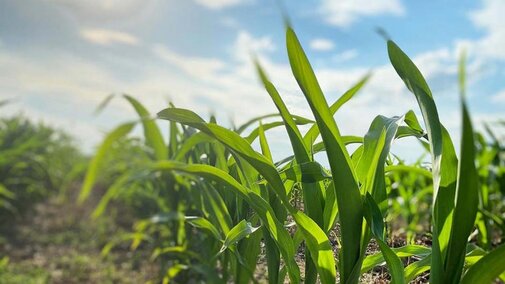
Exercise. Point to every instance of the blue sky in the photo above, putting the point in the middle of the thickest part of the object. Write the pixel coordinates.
(60, 58)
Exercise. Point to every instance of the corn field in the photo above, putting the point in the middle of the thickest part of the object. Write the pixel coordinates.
(222, 208)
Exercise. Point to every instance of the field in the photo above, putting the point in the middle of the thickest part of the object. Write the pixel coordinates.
(208, 204)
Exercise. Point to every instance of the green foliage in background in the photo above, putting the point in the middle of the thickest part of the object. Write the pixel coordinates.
(35, 161)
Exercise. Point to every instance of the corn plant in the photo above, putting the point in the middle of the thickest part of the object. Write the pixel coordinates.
(210, 179)
(36, 161)
(490, 166)
(361, 183)
(190, 203)
(409, 190)
(455, 183)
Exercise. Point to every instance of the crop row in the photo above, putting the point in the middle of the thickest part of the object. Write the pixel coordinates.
(221, 204)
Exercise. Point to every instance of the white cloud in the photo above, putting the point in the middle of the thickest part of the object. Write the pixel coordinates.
(194, 66)
(108, 37)
(345, 55)
(229, 86)
(437, 62)
(246, 45)
(499, 97)
(100, 11)
(62, 89)
(62, 74)
(322, 44)
(230, 22)
(220, 4)
(490, 18)
(67, 81)
(344, 13)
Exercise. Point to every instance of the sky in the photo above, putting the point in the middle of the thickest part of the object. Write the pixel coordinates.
(60, 58)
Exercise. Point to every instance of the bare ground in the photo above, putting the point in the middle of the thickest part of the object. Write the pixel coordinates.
(57, 242)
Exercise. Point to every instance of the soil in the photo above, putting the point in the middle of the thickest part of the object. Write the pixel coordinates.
(57, 242)
(377, 275)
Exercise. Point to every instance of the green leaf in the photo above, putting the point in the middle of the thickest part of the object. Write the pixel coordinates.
(173, 135)
(237, 233)
(173, 271)
(272, 252)
(374, 219)
(376, 146)
(258, 204)
(442, 167)
(312, 191)
(215, 207)
(311, 135)
(103, 104)
(247, 253)
(487, 269)
(298, 119)
(267, 126)
(408, 169)
(250, 122)
(330, 211)
(416, 83)
(373, 260)
(309, 172)
(462, 74)
(95, 163)
(467, 199)
(188, 144)
(394, 263)
(316, 239)
(346, 190)
(294, 134)
(319, 147)
(417, 268)
(202, 223)
(151, 131)
(265, 149)
(117, 185)
(177, 250)
(5, 193)
(412, 122)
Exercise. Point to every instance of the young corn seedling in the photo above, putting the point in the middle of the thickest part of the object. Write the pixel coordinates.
(359, 186)
(218, 208)
(212, 180)
(455, 183)
(358, 181)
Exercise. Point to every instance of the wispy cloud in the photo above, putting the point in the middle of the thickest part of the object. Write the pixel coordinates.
(345, 55)
(205, 83)
(499, 97)
(229, 83)
(221, 4)
(490, 18)
(321, 44)
(344, 13)
(102, 11)
(245, 44)
(200, 67)
(230, 22)
(108, 37)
